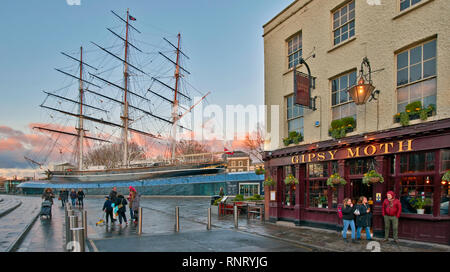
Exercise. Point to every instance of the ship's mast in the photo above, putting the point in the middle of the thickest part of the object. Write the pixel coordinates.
(125, 100)
(175, 103)
(80, 120)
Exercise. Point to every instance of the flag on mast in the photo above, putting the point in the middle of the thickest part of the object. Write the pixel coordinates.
(132, 18)
(228, 152)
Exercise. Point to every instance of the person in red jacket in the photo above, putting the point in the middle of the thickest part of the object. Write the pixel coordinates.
(391, 213)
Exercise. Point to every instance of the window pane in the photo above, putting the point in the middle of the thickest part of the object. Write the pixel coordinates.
(403, 94)
(343, 84)
(402, 60)
(429, 87)
(402, 77)
(336, 113)
(415, 92)
(416, 162)
(415, 72)
(413, 2)
(429, 68)
(401, 107)
(352, 79)
(429, 100)
(334, 98)
(416, 188)
(344, 19)
(429, 50)
(415, 55)
(343, 96)
(351, 15)
(404, 4)
(334, 85)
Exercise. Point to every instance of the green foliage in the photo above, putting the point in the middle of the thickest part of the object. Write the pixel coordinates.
(419, 202)
(372, 174)
(415, 109)
(255, 197)
(290, 180)
(340, 127)
(323, 200)
(239, 198)
(269, 182)
(294, 137)
(446, 176)
(217, 201)
(335, 179)
(260, 171)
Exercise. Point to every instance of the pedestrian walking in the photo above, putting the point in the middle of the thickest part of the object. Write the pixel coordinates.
(80, 196)
(107, 208)
(48, 195)
(113, 195)
(348, 216)
(73, 197)
(130, 201)
(135, 204)
(391, 211)
(66, 195)
(363, 220)
(122, 204)
(62, 197)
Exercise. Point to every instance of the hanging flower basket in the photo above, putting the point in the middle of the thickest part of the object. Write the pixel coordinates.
(260, 171)
(446, 176)
(269, 182)
(335, 179)
(372, 177)
(290, 180)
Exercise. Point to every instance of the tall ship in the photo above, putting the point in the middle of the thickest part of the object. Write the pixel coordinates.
(124, 109)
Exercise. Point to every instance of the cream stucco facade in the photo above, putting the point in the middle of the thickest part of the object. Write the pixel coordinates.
(381, 32)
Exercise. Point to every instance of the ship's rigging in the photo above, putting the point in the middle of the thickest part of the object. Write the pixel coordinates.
(137, 97)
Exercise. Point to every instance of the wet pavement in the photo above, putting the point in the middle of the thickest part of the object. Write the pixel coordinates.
(159, 231)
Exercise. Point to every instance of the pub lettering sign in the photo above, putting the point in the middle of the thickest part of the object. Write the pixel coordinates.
(355, 152)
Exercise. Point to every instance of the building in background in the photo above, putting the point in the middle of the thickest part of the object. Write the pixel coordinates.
(403, 134)
(239, 161)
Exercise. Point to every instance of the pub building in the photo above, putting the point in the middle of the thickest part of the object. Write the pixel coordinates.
(317, 41)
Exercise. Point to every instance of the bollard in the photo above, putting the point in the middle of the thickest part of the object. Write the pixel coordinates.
(208, 226)
(235, 216)
(78, 243)
(69, 213)
(73, 223)
(140, 221)
(261, 217)
(85, 223)
(177, 219)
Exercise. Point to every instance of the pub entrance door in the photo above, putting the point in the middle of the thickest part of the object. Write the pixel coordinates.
(361, 189)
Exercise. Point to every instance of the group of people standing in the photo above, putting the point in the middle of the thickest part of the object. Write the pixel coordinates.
(391, 210)
(75, 197)
(115, 206)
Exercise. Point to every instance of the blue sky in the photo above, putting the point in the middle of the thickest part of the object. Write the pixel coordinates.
(223, 40)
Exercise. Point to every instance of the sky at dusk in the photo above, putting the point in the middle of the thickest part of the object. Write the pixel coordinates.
(222, 38)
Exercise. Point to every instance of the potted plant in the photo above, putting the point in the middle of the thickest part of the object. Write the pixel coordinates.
(419, 203)
(340, 127)
(269, 182)
(372, 177)
(335, 179)
(293, 138)
(290, 180)
(260, 171)
(446, 176)
(323, 202)
(414, 111)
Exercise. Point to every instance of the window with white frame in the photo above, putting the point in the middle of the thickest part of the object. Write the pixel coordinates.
(294, 116)
(342, 104)
(416, 75)
(344, 23)
(404, 4)
(294, 50)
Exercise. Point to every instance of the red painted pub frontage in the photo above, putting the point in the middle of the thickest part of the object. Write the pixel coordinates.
(412, 161)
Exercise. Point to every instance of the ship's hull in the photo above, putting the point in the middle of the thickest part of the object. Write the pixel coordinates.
(131, 174)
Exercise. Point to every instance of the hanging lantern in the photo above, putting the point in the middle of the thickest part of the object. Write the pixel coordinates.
(361, 92)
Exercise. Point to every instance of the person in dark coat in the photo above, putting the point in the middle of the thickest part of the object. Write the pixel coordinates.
(348, 216)
(113, 194)
(363, 220)
(121, 203)
(107, 208)
(73, 196)
(62, 197)
(48, 195)
(80, 196)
